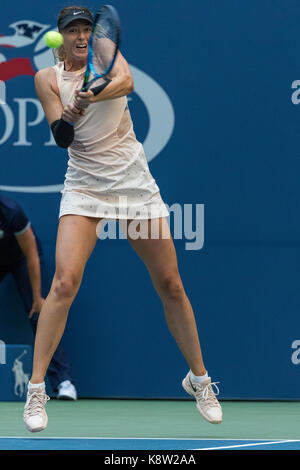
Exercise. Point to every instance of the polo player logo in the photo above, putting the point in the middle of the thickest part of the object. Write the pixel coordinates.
(21, 379)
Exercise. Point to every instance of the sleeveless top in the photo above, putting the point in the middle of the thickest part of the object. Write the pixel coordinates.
(108, 174)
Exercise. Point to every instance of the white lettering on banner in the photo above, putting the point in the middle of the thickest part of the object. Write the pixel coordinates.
(156, 101)
(2, 352)
(9, 121)
(160, 111)
(296, 95)
(22, 102)
(159, 107)
(296, 354)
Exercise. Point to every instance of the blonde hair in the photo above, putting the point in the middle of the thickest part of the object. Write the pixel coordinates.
(60, 53)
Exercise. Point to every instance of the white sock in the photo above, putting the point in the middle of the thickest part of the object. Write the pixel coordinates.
(30, 385)
(198, 378)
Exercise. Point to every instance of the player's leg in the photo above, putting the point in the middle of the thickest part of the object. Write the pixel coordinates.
(159, 256)
(76, 239)
(59, 368)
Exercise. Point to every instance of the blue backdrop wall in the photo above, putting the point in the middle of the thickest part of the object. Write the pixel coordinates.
(216, 104)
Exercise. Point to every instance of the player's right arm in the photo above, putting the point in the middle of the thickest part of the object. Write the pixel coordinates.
(60, 119)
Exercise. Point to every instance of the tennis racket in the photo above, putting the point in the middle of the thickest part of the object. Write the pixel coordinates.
(103, 47)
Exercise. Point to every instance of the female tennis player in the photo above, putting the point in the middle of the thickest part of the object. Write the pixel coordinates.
(105, 162)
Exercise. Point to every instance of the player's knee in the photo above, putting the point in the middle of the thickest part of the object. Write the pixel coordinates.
(65, 286)
(171, 287)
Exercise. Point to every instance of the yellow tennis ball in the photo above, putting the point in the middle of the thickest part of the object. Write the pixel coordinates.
(53, 39)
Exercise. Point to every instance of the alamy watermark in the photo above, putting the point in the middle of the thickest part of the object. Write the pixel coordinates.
(185, 222)
(295, 358)
(2, 352)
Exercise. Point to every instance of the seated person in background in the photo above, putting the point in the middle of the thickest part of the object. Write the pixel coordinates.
(22, 256)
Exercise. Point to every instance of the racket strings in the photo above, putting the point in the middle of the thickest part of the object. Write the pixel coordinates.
(105, 43)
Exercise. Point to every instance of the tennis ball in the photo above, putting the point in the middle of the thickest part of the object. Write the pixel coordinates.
(53, 39)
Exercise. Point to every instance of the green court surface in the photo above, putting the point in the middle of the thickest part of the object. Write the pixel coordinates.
(156, 419)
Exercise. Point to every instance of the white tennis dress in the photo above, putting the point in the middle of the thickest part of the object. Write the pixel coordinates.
(108, 174)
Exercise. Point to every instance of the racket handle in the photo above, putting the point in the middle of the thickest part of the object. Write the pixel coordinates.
(97, 89)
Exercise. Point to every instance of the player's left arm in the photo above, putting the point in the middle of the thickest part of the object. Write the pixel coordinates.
(121, 84)
(27, 243)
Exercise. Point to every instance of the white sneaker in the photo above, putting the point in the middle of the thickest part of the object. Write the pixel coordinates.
(66, 391)
(35, 416)
(206, 401)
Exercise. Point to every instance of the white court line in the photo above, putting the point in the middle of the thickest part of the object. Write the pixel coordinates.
(152, 439)
(249, 445)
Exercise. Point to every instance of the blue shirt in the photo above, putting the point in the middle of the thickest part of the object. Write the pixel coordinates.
(13, 222)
